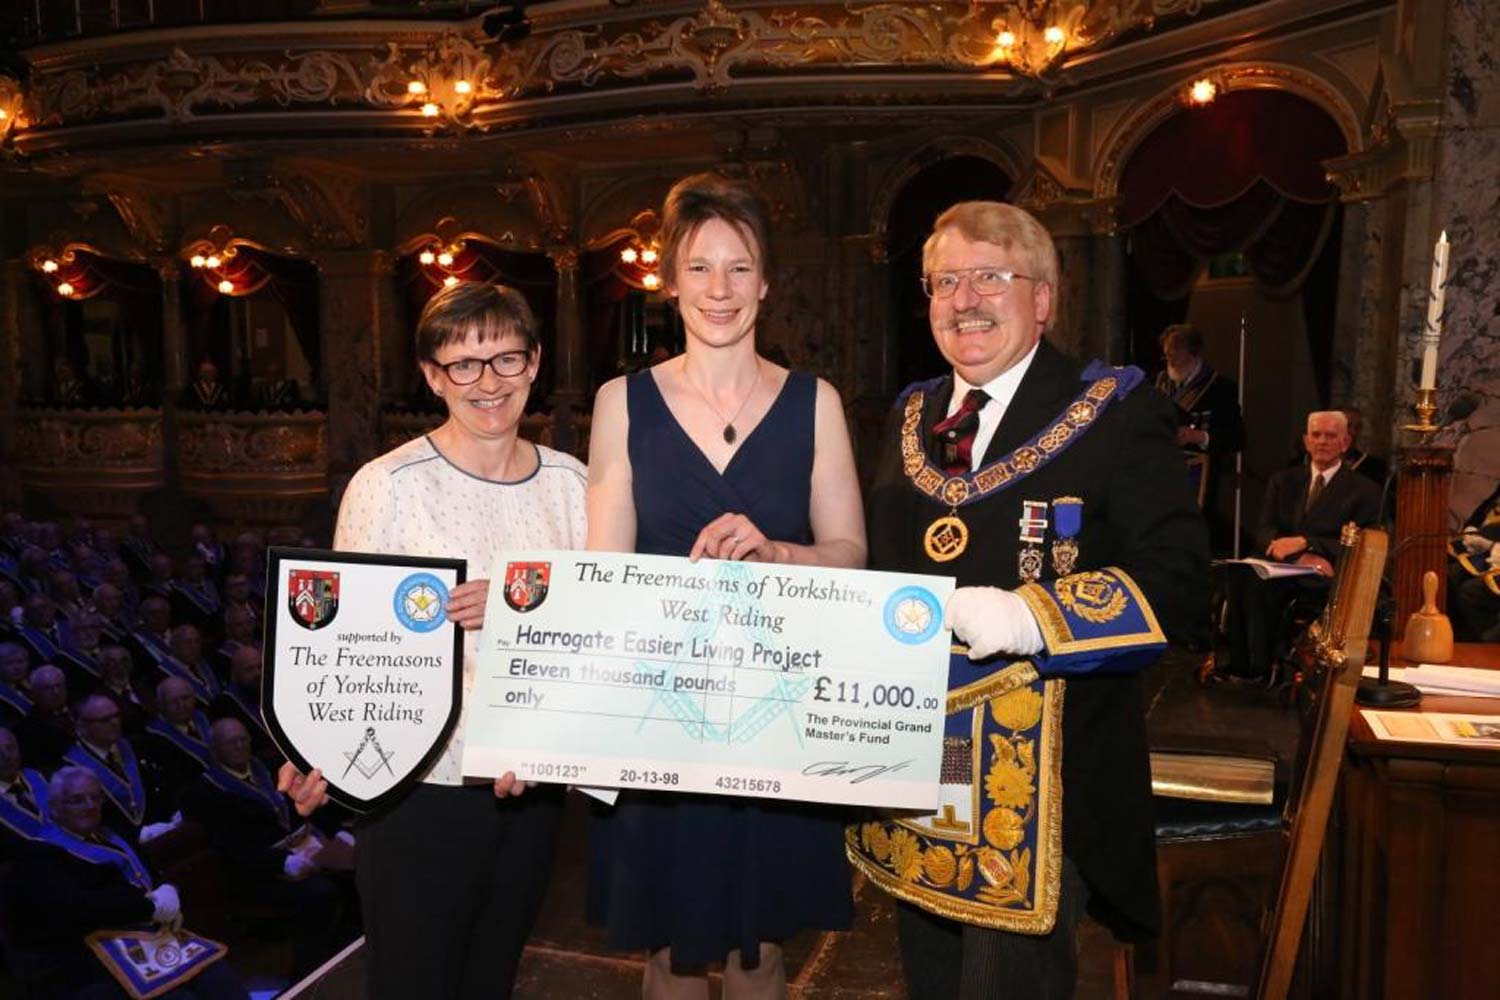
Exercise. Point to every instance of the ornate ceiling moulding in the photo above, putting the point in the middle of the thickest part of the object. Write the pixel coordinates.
(1402, 146)
(460, 79)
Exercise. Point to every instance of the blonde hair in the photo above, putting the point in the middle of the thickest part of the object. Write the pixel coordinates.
(1008, 227)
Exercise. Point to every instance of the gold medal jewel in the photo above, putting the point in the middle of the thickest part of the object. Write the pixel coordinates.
(1033, 533)
(946, 538)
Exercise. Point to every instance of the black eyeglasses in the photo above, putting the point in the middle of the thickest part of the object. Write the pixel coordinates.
(983, 280)
(467, 371)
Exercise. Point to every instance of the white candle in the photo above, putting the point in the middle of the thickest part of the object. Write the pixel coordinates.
(1433, 331)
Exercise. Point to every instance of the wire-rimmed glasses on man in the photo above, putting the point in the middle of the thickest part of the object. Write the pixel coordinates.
(982, 281)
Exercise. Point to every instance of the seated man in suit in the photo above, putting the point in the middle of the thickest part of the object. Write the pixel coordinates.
(239, 627)
(279, 862)
(187, 654)
(240, 699)
(109, 604)
(117, 682)
(41, 629)
(1301, 518)
(151, 639)
(103, 749)
(23, 798)
(194, 596)
(48, 729)
(80, 878)
(175, 743)
(15, 697)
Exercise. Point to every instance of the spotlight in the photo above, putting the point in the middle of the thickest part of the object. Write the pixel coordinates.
(450, 281)
(49, 266)
(427, 257)
(226, 286)
(445, 259)
(429, 110)
(65, 289)
(197, 260)
(211, 261)
(651, 281)
(628, 255)
(648, 255)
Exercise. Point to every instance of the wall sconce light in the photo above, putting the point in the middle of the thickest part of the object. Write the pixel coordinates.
(211, 262)
(462, 87)
(416, 88)
(450, 281)
(651, 282)
(49, 266)
(1201, 92)
(427, 258)
(65, 289)
(226, 286)
(630, 255)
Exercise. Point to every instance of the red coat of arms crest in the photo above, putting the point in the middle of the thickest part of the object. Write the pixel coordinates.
(312, 596)
(526, 584)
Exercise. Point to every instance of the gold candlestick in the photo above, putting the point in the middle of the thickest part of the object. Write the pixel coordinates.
(1426, 406)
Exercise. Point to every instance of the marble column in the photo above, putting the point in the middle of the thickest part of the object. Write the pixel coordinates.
(1109, 309)
(1466, 205)
(571, 386)
(355, 289)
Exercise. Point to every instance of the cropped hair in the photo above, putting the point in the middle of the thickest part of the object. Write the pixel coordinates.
(1337, 415)
(1012, 229)
(1189, 334)
(700, 197)
(490, 312)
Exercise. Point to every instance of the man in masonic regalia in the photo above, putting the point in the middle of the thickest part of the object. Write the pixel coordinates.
(1054, 493)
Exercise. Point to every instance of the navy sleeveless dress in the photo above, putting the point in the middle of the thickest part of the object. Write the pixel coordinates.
(705, 874)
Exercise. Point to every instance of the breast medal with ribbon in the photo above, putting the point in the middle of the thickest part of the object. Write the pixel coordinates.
(1067, 521)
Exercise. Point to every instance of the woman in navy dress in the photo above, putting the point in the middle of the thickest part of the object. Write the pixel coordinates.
(719, 453)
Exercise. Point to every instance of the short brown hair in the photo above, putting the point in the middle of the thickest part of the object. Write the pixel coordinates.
(1006, 226)
(696, 199)
(490, 312)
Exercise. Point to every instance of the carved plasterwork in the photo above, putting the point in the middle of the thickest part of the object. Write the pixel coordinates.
(12, 100)
(503, 214)
(91, 442)
(1402, 146)
(259, 444)
(462, 74)
(1130, 131)
(330, 203)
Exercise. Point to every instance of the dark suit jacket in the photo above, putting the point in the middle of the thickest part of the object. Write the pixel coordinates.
(1138, 515)
(1349, 496)
(242, 829)
(58, 899)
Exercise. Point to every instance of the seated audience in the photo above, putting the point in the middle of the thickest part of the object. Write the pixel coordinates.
(49, 729)
(238, 593)
(275, 391)
(1301, 518)
(80, 878)
(194, 597)
(79, 658)
(109, 604)
(138, 546)
(251, 823)
(175, 743)
(187, 661)
(206, 546)
(161, 577)
(239, 628)
(62, 587)
(23, 799)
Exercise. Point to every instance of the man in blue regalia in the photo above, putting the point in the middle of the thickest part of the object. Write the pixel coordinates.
(23, 798)
(1054, 493)
(78, 878)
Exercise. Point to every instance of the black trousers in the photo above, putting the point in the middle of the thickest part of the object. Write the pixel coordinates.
(947, 960)
(1256, 610)
(450, 882)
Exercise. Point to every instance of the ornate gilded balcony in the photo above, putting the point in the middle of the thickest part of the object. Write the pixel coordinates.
(261, 468)
(95, 463)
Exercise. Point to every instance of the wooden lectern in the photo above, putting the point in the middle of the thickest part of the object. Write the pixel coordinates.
(1421, 542)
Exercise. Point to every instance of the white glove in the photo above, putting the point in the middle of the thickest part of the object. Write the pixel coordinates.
(298, 866)
(151, 831)
(1494, 557)
(1474, 543)
(168, 907)
(992, 620)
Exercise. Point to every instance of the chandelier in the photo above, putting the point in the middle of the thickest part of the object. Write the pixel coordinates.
(1032, 37)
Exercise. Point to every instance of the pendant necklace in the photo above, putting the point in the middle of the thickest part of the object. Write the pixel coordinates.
(729, 432)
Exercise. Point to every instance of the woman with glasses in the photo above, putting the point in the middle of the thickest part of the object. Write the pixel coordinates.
(720, 453)
(451, 877)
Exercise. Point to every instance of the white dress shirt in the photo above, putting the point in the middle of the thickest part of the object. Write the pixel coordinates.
(1002, 389)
